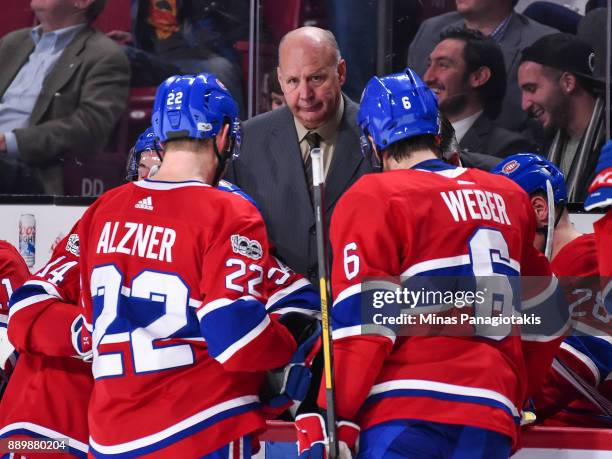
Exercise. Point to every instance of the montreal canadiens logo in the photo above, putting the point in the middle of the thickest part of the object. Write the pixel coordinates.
(510, 167)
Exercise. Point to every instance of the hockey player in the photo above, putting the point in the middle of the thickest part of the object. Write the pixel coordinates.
(600, 197)
(145, 157)
(531, 172)
(174, 278)
(577, 391)
(49, 392)
(13, 273)
(425, 396)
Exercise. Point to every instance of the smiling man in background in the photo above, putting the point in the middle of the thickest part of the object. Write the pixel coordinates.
(466, 72)
(559, 90)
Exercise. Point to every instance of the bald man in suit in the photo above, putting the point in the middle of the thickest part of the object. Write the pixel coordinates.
(274, 160)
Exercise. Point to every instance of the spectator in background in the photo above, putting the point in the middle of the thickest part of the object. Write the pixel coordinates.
(559, 90)
(274, 93)
(172, 37)
(466, 72)
(63, 85)
(496, 19)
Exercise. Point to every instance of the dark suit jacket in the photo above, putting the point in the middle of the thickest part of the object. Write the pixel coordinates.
(487, 138)
(80, 102)
(521, 32)
(270, 169)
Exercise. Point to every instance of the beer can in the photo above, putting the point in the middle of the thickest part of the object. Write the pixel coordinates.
(27, 238)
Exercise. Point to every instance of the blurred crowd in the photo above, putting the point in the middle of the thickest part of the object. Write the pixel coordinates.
(508, 81)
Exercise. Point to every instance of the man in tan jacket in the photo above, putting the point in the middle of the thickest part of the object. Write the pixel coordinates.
(63, 86)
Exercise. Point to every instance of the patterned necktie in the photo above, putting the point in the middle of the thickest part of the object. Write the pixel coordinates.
(314, 140)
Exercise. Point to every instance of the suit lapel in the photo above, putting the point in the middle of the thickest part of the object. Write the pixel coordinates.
(347, 156)
(285, 151)
(64, 68)
(19, 57)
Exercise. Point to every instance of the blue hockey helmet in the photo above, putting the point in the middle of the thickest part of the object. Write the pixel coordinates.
(397, 107)
(147, 141)
(194, 107)
(531, 172)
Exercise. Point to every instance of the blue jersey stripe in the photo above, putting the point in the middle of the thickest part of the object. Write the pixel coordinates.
(442, 396)
(306, 298)
(225, 326)
(190, 431)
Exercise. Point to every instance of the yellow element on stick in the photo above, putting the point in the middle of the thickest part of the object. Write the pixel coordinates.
(326, 337)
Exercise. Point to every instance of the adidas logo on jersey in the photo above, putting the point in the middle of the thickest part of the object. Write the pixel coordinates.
(145, 203)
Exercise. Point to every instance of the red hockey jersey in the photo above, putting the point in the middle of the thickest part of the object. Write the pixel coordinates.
(576, 266)
(13, 273)
(433, 220)
(563, 399)
(49, 391)
(174, 282)
(603, 236)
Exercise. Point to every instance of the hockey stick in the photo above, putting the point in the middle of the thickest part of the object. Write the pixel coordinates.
(318, 181)
(585, 388)
(550, 198)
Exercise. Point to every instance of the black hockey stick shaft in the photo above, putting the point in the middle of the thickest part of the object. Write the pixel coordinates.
(325, 289)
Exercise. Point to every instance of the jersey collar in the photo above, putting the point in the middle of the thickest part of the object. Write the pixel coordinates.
(433, 165)
(162, 185)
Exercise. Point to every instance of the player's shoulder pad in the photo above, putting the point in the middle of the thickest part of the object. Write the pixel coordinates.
(231, 205)
(368, 194)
